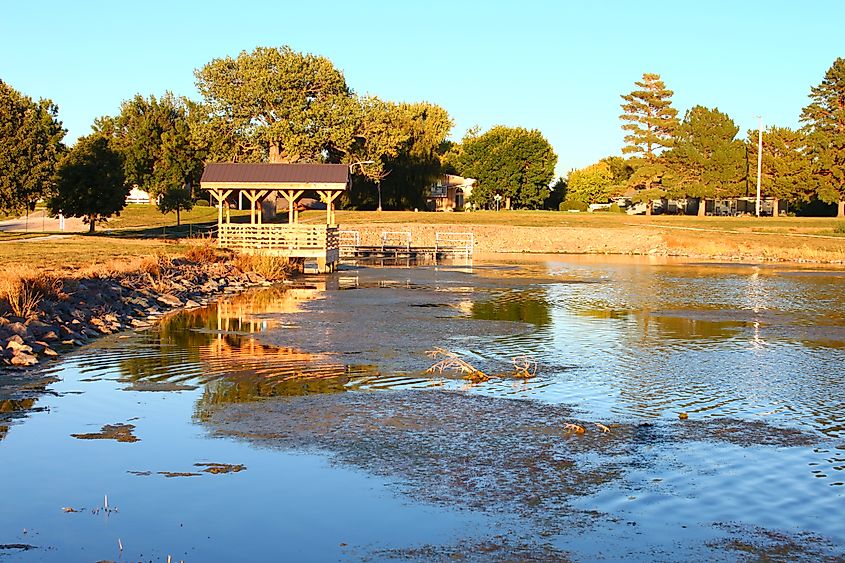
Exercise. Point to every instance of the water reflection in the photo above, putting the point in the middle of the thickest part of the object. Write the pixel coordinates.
(216, 347)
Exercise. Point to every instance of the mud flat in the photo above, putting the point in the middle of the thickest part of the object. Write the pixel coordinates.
(520, 461)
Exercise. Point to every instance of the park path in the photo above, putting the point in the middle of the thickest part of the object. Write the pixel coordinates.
(39, 221)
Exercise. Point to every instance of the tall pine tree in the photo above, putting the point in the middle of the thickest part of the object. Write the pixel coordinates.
(785, 170)
(650, 123)
(825, 127)
(707, 161)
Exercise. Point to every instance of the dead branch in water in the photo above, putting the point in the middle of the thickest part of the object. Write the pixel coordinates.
(452, 362)
(524, 366)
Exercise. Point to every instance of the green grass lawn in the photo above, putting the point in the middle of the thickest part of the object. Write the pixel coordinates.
(143, 216)
(79, 251)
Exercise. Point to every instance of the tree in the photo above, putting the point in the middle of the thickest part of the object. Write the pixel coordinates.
(825, 128)
(557, 193)
(277, 103)
(31, 140)
(650, 123)
(90, 182)
(650, 118)
(380, 137)
(176, 198)
(418, 164)
(785, 164)
(707, 159)
(593, 184)
(515, 163)
(155, 140)
(400, 144)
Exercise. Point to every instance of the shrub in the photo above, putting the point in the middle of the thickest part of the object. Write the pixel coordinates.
(614, 208)
(839, 229)
(573, 205)
(203, 203)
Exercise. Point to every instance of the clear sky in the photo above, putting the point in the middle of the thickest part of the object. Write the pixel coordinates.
(557, 66)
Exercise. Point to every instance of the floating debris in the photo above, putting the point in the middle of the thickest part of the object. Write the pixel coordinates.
(218, 468)
(604, 429)
(453, 362)
(683, 416)
(119, 432)
(179, 474)
(576, 428)
(525, 367)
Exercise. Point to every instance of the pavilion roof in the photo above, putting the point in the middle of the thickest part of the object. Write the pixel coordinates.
(271, 175)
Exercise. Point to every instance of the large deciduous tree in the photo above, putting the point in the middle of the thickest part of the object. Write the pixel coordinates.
(513, 162)
(707, 159)
(399, 144)
(418, 163)
(593, 184)
(276, 102)
(785, 165)
(825, 127)
(650, 123)
(31, 140)
(90, 181)
(155, 140)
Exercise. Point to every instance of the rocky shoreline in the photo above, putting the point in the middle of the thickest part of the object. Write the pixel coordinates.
(85, 309)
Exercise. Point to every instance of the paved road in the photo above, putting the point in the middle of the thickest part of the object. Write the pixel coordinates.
(39, 222)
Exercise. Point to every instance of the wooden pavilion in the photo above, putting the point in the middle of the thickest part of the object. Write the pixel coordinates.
(260, 184)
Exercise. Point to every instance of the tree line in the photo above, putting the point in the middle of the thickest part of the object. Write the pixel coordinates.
(279, 105)
(268, 105)
(701, 158)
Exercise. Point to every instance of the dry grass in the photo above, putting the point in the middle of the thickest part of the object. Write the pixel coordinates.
(22, 290)
(273, 268)
(203, 253)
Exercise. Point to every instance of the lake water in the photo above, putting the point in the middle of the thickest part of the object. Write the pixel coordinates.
(300, 423)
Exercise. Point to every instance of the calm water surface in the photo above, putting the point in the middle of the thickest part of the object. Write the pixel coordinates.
(284, 382)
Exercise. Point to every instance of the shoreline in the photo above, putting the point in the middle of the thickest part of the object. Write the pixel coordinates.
(84, 309)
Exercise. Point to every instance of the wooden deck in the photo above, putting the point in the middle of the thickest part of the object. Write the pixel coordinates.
(398, 244)
(319, 242)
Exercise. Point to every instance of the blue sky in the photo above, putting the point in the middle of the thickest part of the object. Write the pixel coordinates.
(555, 66)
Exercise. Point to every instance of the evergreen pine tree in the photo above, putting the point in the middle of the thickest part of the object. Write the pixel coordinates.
(825, 127)
(650, 118)
(650, 123)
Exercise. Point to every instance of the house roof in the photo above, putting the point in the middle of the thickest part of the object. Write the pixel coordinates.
(453, 181)
(266, 173)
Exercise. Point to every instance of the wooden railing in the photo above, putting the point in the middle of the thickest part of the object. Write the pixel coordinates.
(278, 237)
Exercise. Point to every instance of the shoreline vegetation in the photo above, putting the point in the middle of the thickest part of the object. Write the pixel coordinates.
(47, 312)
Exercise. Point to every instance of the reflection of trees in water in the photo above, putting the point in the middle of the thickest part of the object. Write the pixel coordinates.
(231, 364)
(18, 402)
(527, 306)
(293, 382)
(192, 337)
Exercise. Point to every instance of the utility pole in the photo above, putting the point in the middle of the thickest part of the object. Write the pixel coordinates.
(759, 159)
